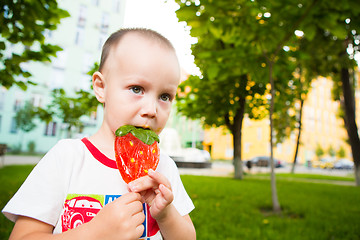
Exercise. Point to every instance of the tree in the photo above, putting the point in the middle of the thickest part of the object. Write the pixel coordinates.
(336, 35)
(23, 28)
(24, 119)
(69, 109)
(319, 151)
(221, 95)
(331, 151)
(341, 152)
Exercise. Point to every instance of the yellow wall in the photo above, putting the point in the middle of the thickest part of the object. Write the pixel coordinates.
(320, 126)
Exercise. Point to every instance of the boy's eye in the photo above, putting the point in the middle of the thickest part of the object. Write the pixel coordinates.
(165, 97)
(136, 89)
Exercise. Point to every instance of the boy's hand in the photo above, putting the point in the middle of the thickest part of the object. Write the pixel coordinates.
(121, 219)
(156, 191)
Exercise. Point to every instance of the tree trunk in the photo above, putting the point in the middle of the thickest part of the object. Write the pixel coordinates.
(237, 133)
(298, 136)
(274, 196)
(350, 121)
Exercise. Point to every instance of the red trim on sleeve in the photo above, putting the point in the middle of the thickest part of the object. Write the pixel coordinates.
(99, 155)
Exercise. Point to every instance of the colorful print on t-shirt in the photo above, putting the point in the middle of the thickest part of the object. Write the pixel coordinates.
(79, 209)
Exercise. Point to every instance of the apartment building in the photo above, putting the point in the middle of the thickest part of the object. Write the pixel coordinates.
(321, 126)
(81, 36)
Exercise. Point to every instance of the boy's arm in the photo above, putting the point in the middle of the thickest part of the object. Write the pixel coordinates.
(32, 229)
(122, 217)
(176, 226)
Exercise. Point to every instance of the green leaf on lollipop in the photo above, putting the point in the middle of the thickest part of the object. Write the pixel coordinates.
(147, 136)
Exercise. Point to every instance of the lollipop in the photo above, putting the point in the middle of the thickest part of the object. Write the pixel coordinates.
(136, 151)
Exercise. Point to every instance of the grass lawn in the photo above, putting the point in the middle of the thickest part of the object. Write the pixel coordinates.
(11, 178)
(234, 209)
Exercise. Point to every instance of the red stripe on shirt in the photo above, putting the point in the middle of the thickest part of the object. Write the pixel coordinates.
(99, 155)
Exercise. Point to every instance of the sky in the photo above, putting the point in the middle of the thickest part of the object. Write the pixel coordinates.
(159, 15)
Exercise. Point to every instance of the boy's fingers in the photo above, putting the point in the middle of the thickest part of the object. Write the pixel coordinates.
(166, 193)
(139, 218)
(159, 178)
(140, 229)
(130, 197)
(135, 206)
(151, 181)
(142, 184)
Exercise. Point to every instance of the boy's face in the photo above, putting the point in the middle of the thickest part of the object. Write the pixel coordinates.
(140, 81)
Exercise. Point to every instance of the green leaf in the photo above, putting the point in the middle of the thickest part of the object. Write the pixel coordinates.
(147, 136)
(123, 130)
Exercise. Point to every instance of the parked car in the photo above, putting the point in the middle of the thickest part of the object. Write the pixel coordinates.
(344, 164)
(264, 161)
(324, 163)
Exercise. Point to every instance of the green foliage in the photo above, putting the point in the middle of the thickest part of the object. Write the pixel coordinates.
(319, 151)
(331, 151)
(31, 147)
(23, 26)
(231, 73)
(236, 41)
(25, 117)
(341, 153)
(71, 109)
(237, 38)
(93, 69)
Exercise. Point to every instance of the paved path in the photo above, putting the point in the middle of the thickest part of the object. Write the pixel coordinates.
(18, 160)
(219, 169)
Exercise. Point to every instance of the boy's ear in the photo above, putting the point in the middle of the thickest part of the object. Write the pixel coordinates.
(99, 86)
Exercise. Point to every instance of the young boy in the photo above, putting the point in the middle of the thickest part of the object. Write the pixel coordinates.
(76, 190)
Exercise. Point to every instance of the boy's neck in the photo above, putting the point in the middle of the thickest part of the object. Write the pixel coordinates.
(104, 141)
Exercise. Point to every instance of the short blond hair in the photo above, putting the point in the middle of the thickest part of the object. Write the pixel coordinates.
(116, 37)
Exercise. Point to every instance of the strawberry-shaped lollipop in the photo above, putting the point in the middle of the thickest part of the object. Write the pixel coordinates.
(136, 151)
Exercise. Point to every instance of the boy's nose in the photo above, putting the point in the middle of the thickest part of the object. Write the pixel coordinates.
(149, 109)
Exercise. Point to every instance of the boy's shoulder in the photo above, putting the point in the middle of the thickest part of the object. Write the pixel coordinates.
(69, 142)
(65, 146)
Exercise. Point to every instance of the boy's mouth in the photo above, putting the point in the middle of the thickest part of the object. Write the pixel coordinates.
(144, 127)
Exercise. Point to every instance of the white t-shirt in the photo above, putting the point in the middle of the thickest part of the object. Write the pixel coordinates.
(74, 180)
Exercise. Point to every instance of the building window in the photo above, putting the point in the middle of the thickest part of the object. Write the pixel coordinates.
(17, 105)
(36, 100)
(13, 126)
(79, 36)
(105, 20)
(2, 98)
(50, 129)
(82, 16)
(116, 6)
